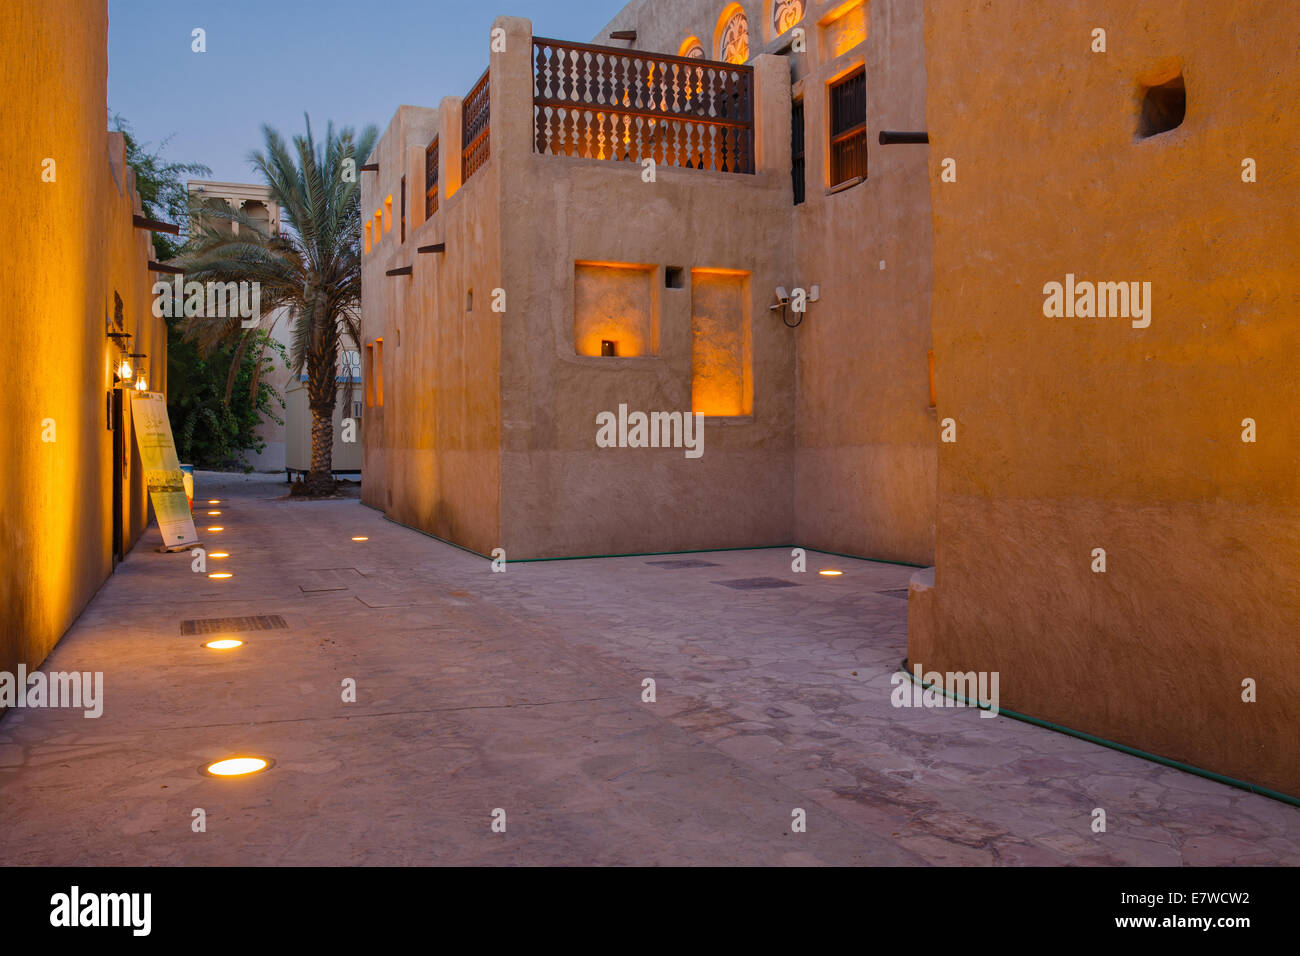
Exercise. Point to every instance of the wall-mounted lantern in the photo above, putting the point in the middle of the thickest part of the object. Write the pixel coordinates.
(141, 379)
(122, 369)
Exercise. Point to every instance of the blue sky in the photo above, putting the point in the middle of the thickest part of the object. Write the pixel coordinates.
(269, 61)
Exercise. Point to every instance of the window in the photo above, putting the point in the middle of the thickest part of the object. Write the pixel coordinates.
(796, 151)
(379, 372)
(674, 277)
(849, 128)
(403, 214)
(350, 364)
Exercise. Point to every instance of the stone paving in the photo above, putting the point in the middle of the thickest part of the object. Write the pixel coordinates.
(522, 691)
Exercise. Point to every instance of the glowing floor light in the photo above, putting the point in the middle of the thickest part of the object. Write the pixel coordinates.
(216, 527)
(830, 574)
(214, 501)
(214, 512)
(219, 554)
(220, 575)
(360, 539)
(237, 766)
(224, 644)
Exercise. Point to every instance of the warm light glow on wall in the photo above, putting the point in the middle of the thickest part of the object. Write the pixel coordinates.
(368, 375)
(721, 349)
(388, 213)
(367, 236)
(614, 301)
(844, 28)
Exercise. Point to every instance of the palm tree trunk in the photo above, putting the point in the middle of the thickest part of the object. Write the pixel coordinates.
(320, 480)
(322, 394)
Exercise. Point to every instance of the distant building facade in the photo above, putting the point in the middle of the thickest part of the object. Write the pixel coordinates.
(288, 444)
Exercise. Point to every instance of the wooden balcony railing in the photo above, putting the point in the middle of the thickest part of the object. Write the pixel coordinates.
(597, 102)
(431, 179)
(476, 127)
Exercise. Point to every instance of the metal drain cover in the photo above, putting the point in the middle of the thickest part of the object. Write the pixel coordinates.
(757, 584)
(209, 625)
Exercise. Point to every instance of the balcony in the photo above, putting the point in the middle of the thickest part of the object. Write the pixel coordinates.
(607, 103)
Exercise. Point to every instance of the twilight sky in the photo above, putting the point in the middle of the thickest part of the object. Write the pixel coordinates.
(269, 61)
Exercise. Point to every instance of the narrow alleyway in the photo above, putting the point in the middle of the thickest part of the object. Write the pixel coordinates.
(522, 691)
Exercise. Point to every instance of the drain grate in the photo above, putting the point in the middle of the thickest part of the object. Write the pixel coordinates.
(756, 584)
(688, 563)
(207, 625)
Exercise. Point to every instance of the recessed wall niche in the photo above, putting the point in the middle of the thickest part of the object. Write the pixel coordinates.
(614, 302)
(722, 380)
(1164, 106)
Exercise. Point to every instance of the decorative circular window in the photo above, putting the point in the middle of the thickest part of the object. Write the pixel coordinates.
(785, 14)
(733, 47)
(692, 48)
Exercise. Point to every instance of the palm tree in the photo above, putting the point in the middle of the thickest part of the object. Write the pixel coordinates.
(313, 268)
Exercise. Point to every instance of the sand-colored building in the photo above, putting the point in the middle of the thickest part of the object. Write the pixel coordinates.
(573, 281)
(77, 294)
(1168, 441)
(1110, 503)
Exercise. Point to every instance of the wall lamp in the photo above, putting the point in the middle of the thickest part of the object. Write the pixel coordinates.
(141, 381)
(122, 369)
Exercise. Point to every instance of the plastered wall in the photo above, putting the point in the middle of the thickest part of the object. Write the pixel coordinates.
(1078, 434)
(71, 246)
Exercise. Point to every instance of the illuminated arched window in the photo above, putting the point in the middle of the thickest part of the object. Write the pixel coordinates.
(693, 48)
(733, 35)
(785, 14)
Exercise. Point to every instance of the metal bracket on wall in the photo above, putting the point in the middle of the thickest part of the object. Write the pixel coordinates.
(889, 137)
